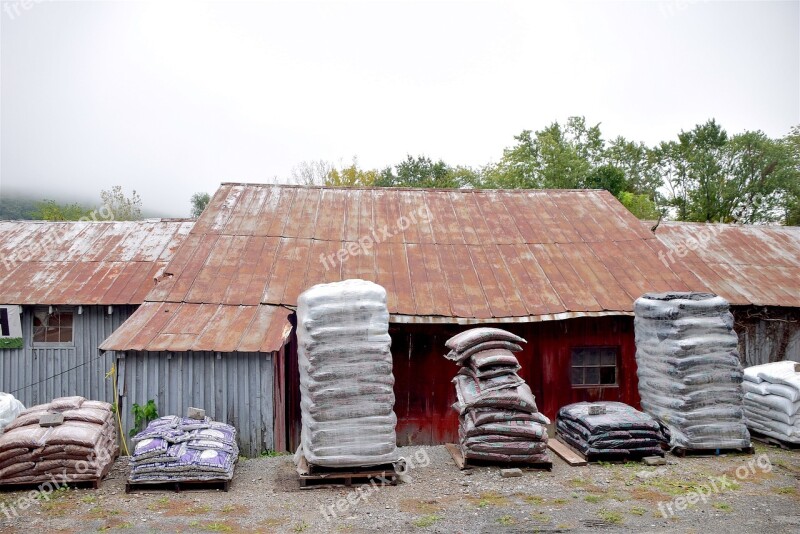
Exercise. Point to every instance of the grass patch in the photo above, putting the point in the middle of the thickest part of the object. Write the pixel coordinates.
(416, 506)
(491, 499)
(593, 498)
(541, 517)
(272, 454)
(610, 516)
(162, 503)
(507, 520)
(101, 513)
(300, 527)
(786, 490)
(533, 499)
(217, 527)
(89, 499)
(560, 501)
(723, 506)
(637, 510)
(427, 520)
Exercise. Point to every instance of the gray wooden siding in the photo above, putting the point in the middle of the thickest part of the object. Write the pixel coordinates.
(38, 375)
(235, 388)
(767, 334)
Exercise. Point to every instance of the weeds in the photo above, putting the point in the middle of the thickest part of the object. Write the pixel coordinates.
(593, 498)
(507, 520)
(723, 506)
(610, 516)
(427, 520)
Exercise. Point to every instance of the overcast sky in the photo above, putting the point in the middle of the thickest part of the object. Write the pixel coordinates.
(172, 98)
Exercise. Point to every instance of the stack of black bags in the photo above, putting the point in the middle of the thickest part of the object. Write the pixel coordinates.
(609, 429)
(499, 421)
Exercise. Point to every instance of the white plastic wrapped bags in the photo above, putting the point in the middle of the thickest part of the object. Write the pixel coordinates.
(346, 381)
(772, 400)
(689, 371)
(10, 408)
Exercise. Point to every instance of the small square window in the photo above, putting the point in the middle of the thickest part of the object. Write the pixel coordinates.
(594, 366)
(55, 327)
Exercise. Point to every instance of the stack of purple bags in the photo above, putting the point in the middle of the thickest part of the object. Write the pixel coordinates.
(175, 449)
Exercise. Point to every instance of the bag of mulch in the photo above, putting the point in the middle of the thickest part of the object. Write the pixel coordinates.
(474, 336)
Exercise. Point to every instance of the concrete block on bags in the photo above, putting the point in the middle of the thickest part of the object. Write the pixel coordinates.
(195, 413)
(51, 419)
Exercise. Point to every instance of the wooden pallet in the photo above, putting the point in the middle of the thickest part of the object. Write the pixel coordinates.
(682, 452)
(769, 440)
(597, 458)
(567, 453)
(315, 476)
(183, 485)
(465, 463)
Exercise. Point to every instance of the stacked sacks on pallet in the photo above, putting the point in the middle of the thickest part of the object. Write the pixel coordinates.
(175, 449)
(498, 417)
(81, 448)
(689, 371)
(346, 380)
(608, 429)
(772, 400)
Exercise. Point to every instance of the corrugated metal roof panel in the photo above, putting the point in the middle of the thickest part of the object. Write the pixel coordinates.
(758, 265)
(90, 263)
(162, 326)
(455, 254)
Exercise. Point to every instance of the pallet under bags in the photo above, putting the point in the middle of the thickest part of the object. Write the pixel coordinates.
(498, 417)
(176, 449)
(619, 430)
(346, 380)
(689, 371)
(79, 449)
(772, 400)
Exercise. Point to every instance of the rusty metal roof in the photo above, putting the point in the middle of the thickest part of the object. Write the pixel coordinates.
(87, 263)
(442, 255)
(758, 265)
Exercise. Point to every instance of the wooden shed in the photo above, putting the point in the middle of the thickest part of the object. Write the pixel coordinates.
(559, 267)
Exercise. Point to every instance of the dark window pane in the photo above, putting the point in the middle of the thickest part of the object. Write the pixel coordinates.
(65, 319)
(4, 328)
(65, 335)
(577, 357)
(591, 358)
(51, 334)
(608, 375)
(609, 357)
(592, 375)
(577, 376)
(38, 334)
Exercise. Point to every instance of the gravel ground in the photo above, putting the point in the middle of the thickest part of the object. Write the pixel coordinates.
(436, 497)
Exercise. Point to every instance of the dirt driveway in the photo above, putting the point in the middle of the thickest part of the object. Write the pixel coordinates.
(725, 494)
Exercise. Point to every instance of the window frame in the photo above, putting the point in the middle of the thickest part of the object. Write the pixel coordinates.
(617, 365)
(56, 310)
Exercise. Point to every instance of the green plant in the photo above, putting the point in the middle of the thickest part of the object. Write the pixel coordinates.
(593, 498)
(427, 520)
(11, 343)
(271, 454)
(637, 510)
(725, 507)
(610, 516)
(300, 527)
(786, 490)
(506, 520)
(143, 415)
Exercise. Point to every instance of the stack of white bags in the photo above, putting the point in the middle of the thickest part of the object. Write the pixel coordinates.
(346, 380)
(772, 400)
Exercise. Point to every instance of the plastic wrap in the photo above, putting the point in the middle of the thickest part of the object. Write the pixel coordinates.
(620, 430)
(772, 400)
(346, 380)
(689, 370)
(499, 420)
(10, 408)
(83, 446)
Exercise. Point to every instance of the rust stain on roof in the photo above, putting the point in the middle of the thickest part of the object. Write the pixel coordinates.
(758, 265)
(89, 263)
(448, 255)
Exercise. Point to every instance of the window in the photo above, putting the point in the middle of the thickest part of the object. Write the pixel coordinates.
(55, 327)
(5, 329)
(594, 366)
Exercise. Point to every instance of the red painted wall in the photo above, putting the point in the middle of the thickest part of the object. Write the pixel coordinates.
(424, 391)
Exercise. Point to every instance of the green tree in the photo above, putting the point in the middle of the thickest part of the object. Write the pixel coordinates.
(607, 177)
(50, 210)
(199, 202)
(419, 172)
(122, 208)
(713, 177)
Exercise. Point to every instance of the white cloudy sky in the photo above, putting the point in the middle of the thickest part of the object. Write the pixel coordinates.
(172, 98)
